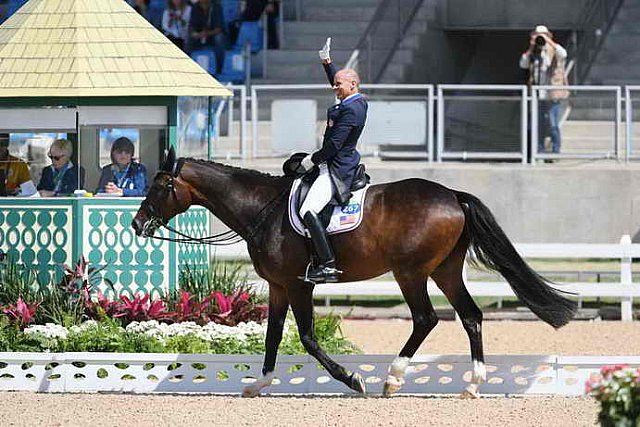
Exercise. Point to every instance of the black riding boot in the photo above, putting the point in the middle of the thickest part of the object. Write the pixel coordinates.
(325, 271)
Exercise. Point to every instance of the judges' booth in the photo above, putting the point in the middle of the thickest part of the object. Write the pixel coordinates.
(45, 233)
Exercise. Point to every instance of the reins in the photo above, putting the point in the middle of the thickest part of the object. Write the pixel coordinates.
(225, 238)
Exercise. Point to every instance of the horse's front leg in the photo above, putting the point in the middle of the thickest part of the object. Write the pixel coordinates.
(278, 306)
(301, 299)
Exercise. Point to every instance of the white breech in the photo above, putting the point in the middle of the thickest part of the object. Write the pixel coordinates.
(320, 192)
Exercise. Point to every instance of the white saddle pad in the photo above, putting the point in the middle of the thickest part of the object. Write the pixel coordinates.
(344, 218)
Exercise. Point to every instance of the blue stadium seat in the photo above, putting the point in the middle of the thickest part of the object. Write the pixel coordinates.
(206, 58)
(230, 10)
(250, 32)
(233, 69)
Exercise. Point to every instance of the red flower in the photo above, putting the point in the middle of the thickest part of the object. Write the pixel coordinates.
(23, 314)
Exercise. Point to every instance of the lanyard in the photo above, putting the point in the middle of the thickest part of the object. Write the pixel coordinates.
(58, 175)
(121, 177)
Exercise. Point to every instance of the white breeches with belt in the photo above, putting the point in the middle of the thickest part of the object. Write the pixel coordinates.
(320, 192)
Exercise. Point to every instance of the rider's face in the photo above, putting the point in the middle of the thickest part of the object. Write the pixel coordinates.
(344, 86)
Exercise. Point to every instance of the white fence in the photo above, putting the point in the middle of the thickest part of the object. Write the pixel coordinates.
(229, 374)
(624, 289)
(610, 139)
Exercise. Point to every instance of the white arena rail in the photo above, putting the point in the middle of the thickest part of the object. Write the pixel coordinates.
(228, 374)
(625, 252)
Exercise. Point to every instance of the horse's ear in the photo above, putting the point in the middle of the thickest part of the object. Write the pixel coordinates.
(170, 161)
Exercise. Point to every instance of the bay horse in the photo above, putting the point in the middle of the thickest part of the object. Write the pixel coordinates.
(414, 228)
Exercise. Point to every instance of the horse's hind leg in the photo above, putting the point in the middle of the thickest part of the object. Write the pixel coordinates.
(301, 300)
(448, 277)
(414, 290)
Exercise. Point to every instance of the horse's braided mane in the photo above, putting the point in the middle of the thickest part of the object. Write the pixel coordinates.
(252, 172)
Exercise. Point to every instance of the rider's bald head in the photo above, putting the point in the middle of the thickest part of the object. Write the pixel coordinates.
(349, 74)
(346, 83)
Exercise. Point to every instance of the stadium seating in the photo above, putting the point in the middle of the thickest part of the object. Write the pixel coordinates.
(206, 58)
(250, 32)
(234, 67)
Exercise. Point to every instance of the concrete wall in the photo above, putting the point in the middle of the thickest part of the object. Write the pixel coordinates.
(546, 204)
(510, 14)
(542, 204)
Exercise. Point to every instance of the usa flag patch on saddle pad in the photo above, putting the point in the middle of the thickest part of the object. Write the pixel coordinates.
(344, 218)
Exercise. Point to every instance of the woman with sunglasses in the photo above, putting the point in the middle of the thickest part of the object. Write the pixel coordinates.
(62, 178)
(123, 177)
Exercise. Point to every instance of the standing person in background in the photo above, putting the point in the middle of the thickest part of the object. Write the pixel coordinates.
(62, 177)
(175, 22)
(545, 61)
(123, 177)
(15, 179)
(206, 29)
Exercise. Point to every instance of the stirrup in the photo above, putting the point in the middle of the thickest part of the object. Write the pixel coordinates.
(320, 274)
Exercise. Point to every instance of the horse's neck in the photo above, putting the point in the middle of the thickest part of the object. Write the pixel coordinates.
(233, 195)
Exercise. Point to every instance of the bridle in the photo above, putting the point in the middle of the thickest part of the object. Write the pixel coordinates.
(225, 238)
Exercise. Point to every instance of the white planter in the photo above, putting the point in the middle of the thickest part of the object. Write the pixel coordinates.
(228, 374)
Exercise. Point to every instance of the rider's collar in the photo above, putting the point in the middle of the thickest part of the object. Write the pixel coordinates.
(351, 98)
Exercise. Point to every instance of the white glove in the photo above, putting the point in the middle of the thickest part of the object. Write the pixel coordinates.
(307, 163)
(324, 53)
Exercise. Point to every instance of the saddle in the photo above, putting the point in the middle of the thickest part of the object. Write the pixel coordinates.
(360, 180)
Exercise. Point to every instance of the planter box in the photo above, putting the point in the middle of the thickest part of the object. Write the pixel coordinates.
(228, 374)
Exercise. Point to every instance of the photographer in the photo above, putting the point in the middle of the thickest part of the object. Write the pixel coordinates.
(545, 61)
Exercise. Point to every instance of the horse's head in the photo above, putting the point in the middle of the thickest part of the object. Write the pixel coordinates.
(168, 196)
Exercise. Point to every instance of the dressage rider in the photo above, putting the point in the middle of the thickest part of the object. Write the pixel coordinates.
(337, 161)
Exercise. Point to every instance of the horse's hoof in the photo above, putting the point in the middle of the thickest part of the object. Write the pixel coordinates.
(391, 386)
(357, 383)
(471, 392)
(250, 392)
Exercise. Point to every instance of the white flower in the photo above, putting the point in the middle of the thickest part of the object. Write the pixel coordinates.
(49, 330)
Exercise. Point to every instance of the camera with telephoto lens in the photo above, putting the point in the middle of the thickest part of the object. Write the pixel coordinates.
(540, 41)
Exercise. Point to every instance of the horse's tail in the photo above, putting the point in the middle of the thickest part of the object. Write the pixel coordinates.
(494, 250)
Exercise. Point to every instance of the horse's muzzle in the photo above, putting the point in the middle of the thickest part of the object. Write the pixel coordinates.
(138, 226)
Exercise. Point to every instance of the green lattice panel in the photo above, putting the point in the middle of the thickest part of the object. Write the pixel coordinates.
(37, 236)
(195, 223)
(132, 263)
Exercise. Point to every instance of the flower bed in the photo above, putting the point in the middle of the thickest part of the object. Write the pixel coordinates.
(617, 388)
(214, 312)
(156, 337)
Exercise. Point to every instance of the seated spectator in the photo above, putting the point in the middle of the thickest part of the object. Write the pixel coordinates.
(123, 177)
(15, 179)
(252, 12)
(62, 178)
(206, 29)
(175, 22)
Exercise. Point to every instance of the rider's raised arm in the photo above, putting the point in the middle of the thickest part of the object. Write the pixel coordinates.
(330, 70)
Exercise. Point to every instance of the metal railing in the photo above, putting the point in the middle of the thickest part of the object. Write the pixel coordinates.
(591, 128)
(467, 153)
(615, 149)
(398, 93)
(230, 147)
(630, 153)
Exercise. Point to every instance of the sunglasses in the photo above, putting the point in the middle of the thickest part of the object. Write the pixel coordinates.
(56, 158)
